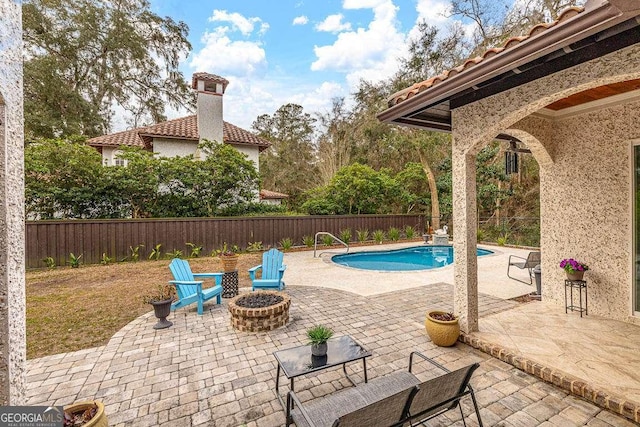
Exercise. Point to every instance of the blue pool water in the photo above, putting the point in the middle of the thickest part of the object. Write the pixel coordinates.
(414, 258)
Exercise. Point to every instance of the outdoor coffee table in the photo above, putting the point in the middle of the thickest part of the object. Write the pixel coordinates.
(298, 361)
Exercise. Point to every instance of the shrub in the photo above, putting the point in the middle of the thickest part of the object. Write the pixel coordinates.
(378, 236)
(195, 250)
(327, 240)
(254, 246)
(106, 260)
(409, 232)
(135, 252)
(74, 261)
(155, 252)
(49, 262)
(345, 235)
(394, 234)
(502, 240)
(286, 243)
(176, 253)
(363, 235)
(308, 241)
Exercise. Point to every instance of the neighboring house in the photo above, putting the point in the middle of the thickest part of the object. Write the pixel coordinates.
(180, 137)
(570, 92)
(272, 197)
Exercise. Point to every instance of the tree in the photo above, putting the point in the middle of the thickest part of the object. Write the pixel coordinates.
(288, 165)
(430, 54)
(63, 179)
(497, 20)
(82, 57)
(336, 143)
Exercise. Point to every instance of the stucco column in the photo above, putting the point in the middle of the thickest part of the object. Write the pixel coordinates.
(465, 286)
(12, 280)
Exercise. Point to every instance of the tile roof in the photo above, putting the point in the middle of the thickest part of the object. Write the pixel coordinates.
(413, 90)
(183, 128)
(267, 194)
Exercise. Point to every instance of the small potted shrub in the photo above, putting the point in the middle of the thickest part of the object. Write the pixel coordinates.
(575, 269)
(443, 328)
(161, 300)
(318, 337)
(229, 259)
(86, 414)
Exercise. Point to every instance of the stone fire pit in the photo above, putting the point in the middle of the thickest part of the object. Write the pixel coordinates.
(259, 311)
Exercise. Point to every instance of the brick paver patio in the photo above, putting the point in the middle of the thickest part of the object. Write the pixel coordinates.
(202, 372)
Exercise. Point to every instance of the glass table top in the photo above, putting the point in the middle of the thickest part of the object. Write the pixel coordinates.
(299, 361)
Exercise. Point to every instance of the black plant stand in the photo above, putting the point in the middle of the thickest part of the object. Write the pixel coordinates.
(230, 284)
(579, 285)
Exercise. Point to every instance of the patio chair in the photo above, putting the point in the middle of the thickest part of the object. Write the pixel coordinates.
(528, 263)
(441, 394)
(272, 271)
(396, 400)
(190, 289)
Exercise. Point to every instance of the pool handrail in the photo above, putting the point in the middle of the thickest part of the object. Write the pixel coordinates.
(320, 233)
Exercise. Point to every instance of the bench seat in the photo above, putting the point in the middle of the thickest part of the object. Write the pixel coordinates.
(395, 400)
(324, 412)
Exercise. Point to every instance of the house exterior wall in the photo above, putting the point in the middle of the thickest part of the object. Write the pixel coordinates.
(166, 147)
(12, 274)
(587, 155)
(585, 200)
(251, 152)
(273, 202)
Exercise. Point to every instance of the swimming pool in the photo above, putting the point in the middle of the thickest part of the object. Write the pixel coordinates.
(407, 259)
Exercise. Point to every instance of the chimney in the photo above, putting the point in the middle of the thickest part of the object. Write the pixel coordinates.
(210, 89)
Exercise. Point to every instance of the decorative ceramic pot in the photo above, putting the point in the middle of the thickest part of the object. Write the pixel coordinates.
(443, 333)
(229, 262)
(161, 310)
(98, 420)
(319, 349)
(578, 275)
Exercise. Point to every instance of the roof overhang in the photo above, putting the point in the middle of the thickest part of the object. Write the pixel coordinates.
(600, 29)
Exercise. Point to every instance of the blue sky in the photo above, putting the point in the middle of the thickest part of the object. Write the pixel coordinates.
(300, 51)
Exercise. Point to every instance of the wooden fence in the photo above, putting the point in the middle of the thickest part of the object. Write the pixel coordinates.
(92, 238)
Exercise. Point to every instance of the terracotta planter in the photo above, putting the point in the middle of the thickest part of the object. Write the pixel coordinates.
(98, 420)
(578, 275)
(229, 262)
(442, 333)
(162, 309)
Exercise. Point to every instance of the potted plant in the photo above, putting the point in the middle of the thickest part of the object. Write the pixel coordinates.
(161, 300)
(86, 414)
(575, 269)
(229, 259)
(318, 337)
(443, 327)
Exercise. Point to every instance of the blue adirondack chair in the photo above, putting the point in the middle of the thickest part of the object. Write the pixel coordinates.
(272, 271)
(189, 288)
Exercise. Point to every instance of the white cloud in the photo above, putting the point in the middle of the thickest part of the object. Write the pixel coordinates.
(370, 52)
(435, 12)
(223, 55)
(247, 99)
(333, 24)
(300, 20)
(239, 22)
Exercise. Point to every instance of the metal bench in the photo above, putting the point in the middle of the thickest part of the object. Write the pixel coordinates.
(391, 401)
